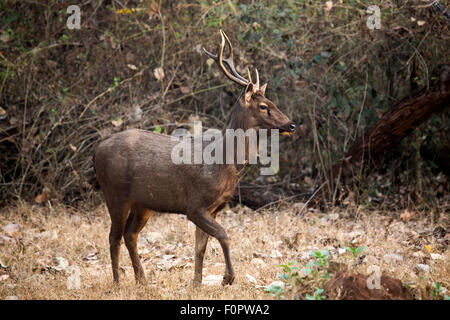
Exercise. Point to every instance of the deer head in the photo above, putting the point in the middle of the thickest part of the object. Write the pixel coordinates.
(253, 109)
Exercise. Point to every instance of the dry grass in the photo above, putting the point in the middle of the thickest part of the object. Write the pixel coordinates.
(81, 237)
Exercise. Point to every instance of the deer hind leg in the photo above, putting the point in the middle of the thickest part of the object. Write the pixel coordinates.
(136, 221)
(118, 210)
(208, 225)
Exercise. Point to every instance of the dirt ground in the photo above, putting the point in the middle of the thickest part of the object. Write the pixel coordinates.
(53, 252)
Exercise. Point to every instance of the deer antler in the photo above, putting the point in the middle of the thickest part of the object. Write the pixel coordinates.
(232, 74)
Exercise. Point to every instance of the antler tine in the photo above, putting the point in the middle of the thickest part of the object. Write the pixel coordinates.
(257, 79)
(229, 60)
(233, 75)
(249, 76)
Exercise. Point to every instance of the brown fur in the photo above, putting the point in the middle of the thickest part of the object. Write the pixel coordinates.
(136, 174)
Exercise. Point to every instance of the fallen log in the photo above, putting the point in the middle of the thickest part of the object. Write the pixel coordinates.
(398, 122)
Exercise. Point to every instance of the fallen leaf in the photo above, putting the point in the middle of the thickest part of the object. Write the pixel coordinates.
(4, 37)
(44, 196)
(117, 122)
(4, 277)
(328, 7)
(258, 262)
(250, 279)
(159, 73)
(420, 23)
(256, 25)
(209, 62)
(407, 215)
(74, 149)
(132, 66)
(153, 8)
(185, 90)
(2, 113)
(300, 83)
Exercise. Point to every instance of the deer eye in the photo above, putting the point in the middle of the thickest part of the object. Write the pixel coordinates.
(262, 106)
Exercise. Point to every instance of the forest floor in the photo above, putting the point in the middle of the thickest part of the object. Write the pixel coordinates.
(54, 252)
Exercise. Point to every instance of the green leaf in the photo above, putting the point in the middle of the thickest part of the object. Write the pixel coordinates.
(326, 54)
(360, 249)
(157, 129)
(317, 59)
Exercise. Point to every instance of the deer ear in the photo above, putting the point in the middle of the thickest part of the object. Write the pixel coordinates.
(248, 92)
(263, 88)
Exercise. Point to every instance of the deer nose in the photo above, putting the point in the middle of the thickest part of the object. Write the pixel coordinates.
(292, 127)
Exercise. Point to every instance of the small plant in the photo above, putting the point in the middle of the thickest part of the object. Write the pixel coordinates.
(314, 272)
(275, 291)
(355, 251)
(157, 129)
(317, 295)
(437, 290)
(321, 257)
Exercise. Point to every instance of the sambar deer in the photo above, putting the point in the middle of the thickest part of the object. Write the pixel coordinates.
(137, 176)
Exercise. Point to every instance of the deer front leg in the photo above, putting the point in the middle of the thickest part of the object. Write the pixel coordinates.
(208, 225)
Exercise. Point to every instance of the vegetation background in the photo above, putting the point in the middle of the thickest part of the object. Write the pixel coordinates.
(140, 64)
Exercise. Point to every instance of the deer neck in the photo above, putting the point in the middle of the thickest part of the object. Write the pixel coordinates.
(238, 120)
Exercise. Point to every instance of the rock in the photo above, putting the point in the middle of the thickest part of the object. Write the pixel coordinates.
(392, 258)
(74, 280)
(372, 260)
(136, 114)
(341, 250)
(62, 264)
(275, 254)
(436, 256)
(10, 228)
(423, 267)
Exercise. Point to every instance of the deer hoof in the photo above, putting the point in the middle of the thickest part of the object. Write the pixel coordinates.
(141, 281)
(196, 283)
(228, 279)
